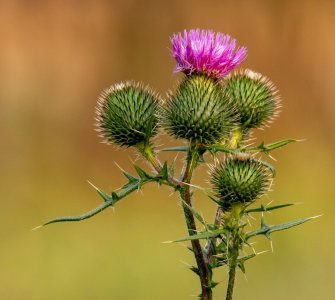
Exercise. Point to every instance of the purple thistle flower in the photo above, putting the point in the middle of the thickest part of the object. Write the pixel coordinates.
(203, 51)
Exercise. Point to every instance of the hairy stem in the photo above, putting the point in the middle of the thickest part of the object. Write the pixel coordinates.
(204, 272)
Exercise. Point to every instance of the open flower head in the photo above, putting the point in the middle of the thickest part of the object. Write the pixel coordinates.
(203, 51)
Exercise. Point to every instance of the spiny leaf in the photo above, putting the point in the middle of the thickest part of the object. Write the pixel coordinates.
(264, 208)
(269, 166)
(267, 230)
(109, 200)
(143, 174)
(84, 216)
(199, 236)
(214, 200)
(115, 196)
(179, 148)
(131, 180)
(196, 214)
(164, 172)
(171, 169)
(266, 148)
(195, 270)
(103, 195)
(242, 260)
(190, 248)
(221, 148)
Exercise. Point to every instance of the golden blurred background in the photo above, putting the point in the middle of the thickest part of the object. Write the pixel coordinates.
(56, 57)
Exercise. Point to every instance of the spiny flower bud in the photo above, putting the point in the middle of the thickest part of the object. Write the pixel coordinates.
(126, 114)
(198, 111)
(254, 97)
(240, 180)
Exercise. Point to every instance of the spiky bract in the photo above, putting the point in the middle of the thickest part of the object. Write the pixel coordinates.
(126, 114)
(206, 52)
(198, 111)
(254, 97)
(239, 180)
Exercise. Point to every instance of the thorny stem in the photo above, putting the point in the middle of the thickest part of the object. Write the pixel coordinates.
(205, 273)
(232, 273)
(233, 247)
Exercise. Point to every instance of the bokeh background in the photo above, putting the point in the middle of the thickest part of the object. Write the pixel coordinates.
(57, 56)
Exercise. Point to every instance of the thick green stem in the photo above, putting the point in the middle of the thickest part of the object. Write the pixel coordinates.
(232, 273)
(234, 246)
(205, 274)
(149, 154)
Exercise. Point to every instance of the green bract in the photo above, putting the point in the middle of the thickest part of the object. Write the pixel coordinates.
(198, 111)
(254, 97)
(240, 180)
(126, 114)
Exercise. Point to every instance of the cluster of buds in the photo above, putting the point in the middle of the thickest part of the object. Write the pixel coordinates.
(213, 109)
(210, 106)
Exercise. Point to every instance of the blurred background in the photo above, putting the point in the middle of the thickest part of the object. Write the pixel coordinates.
(57, 56)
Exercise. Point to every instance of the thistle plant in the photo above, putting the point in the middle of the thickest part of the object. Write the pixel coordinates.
(213, 111)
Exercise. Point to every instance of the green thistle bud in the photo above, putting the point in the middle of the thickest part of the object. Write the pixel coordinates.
(126, 114)
(198, 111)
(254, 97)
(240, 180)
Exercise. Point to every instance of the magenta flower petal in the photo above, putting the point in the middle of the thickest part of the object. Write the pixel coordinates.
(203, 51)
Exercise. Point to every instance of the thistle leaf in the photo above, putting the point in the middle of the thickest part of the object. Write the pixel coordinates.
(171, 169)
(267, 148)
(143, 174)
(109, 200)
(103, 195)
(264, 208)
(84, 216)
(242, 260)
(221, 148)
(267, 230)
(196, 214)
(200, 236)
(179, 148)
(131, 180)
(164, 172)
(195, 270)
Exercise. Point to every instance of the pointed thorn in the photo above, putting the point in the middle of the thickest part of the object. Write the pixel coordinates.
(37, 227)
(119, 166)
(268, 235)
(318, 216)
(91, 184)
